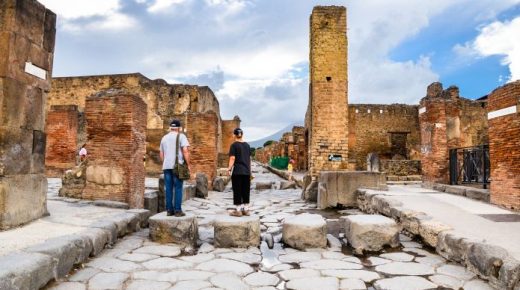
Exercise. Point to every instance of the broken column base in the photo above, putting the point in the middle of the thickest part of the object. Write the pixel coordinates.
(370, 232)
(237, 232)
(170, 229)
(305, 231)
(23, 198)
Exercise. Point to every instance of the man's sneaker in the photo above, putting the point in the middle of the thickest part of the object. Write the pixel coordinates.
(169, 213)
(235, 213)
(179, 213)
(245, 212)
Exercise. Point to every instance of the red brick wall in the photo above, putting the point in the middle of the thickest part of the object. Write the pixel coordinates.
(62, 133)
(116, 126)
(504, 147)
(202, 133)
(227, 133)
(434, 143)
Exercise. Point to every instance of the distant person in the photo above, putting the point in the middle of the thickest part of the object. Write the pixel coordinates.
(83, 153)
(240, 170)
(290, 169)
(168, 154)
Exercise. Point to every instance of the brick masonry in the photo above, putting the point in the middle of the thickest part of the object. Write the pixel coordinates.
(116, 128)
(327, 118)
(27, 34)
(62, 139)
(227, 139)
(202, 132)
(504, 146)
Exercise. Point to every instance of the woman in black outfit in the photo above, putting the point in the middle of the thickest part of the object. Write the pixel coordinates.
(240, 170)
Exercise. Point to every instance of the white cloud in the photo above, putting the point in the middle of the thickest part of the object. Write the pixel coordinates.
(104, 14)
(502, 38)
(162, 5)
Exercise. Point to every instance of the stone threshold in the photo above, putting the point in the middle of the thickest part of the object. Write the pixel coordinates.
(467, 191)
(35, 266)
(490, 262)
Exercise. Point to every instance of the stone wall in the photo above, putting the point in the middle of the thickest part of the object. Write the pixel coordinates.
(163, 102)
(448, 121)
(228, 126)
(327, 118)
(27, 34)
(62, 148)
(202, 134)
(391, 131)
(400, 167)
(116, 127)
(504, 145)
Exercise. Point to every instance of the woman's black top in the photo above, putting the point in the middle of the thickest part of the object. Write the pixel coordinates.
(242, 153)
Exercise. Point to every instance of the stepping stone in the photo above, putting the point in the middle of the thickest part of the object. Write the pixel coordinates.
(313, 283)
(170, 229)
(370, 232)
(259, 279)
(298, 273)
(404, 283)
(237, 232)
(263, 185)
(305, 231)
(404, 268)
(103, 281)
(352, 284)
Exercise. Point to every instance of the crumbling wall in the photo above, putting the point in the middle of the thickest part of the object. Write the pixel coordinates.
(504, 145)
(27, 34)
(116, 127)
(374, 128)
(447, 122)
(62, 148)
(227, 139)
(327, 116)
(163, 102)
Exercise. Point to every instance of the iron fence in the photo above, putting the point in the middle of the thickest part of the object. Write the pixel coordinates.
(470, 165)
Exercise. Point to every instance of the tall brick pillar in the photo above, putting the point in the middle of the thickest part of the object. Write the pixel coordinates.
(504, 145)
(434, 141)
(61, 127)
(328, 132)
(227, 139)
(116, 129)
(27, 32)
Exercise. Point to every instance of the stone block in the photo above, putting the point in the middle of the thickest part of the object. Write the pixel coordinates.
(263, 185)
(429, 231)
(305, 231)
(439, 187)
(371, 232)
(66, 251)
(478, 194)
(452, 246)
(151, 202)
(287, 185)
(219, 183)
(98, 238)
(19, 271)
(170, 229)
(339, 187)
(143, 216)
(188, 191)
(201, 185)
(237, 232)
(455, 189)
(109, 227)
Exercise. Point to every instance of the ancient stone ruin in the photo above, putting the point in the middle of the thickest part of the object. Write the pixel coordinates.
(27, 33)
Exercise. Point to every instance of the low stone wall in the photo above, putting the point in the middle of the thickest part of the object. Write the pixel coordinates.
(401, 167)
(470, 192)
(489, 262)
(339, 187)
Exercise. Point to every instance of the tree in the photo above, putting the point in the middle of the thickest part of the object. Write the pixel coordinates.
(267, 143)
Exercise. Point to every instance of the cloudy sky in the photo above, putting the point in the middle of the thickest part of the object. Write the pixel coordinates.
(254, 53)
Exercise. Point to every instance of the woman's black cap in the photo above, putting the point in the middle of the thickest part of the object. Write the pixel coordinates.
(238, 132)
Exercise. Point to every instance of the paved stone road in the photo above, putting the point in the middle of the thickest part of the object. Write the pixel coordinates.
(137, 263)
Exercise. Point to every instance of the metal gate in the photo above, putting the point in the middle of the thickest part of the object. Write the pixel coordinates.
(470, 165)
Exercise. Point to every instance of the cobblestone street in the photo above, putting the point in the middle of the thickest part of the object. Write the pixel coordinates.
(135, 262)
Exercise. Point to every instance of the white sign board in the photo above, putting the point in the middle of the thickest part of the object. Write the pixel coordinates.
(35, 71)
(502, 112)
(422, 110)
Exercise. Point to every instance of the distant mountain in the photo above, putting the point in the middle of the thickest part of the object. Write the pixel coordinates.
(276, 136)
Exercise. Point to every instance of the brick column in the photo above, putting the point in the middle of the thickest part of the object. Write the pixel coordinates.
(434, 142)
(328, 89)
(504, 145)
(62, 139)
(116, 128)
(27, 32)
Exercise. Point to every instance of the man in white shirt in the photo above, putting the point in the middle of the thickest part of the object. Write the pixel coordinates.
(168, 153)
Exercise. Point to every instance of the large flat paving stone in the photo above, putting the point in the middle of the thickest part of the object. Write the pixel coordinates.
(370, 232)
(259, 279)
(170, 229)
(229, 281)
(191, 285)
(167, 264)
(298, 273)
(313, 283)
(366, 276)
(305, 231)
(107, 281)
(405, 268)
(225, 265)
(327, 264)
(352, 284)
(236, 232)
(163, 251)
(147, 285)
(404, 283)
(26, 271)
